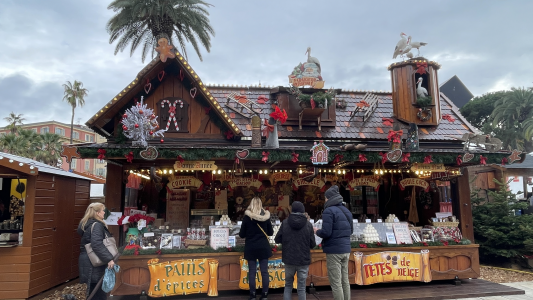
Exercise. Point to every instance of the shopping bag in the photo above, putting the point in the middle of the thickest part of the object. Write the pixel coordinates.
(109, 279)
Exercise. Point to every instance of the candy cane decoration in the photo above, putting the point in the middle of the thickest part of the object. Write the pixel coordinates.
(172, 112)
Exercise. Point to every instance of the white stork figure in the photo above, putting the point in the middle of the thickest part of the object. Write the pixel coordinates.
(314, 60)
(420, 90)
(417, 45)
(406, 50)
(400, 46)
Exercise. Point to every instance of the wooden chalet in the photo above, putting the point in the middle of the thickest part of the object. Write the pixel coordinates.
(220, 122)
(39, 246)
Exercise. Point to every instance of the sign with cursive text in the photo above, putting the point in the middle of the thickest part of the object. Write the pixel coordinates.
(195, 165)
(414, 182)
(364, 181)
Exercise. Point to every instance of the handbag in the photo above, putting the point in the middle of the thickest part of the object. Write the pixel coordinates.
(109, 243)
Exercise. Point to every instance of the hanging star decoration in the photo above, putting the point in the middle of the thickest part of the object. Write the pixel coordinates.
(267, 129)
(164, 49)
(504, 161)
(362, 158)
(515, 155)
(427, 159)
(482, 160)
(129, 156)
(405, 157)
(295, 157)
(265, 156)
(180, 159)
(448, 117)
(101, 154)
(338, 158)
(69, 152)
(383, 157)
(459, 159)
(387, 122)
(229, 135)
(421, 68)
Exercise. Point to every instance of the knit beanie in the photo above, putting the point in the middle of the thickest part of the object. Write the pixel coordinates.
(333, 193)
(298, 207)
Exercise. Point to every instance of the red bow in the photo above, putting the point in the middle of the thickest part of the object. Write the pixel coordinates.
(362, 246)
(395, 136)
(362, 103)
(379, 244)
(101, 153)
(265, 156)
(313, 103)
(387, 121)
(229, 134)
(459, 159)
(237, 161)
(405, 157)
(448, 117)
(421, 68)
(482, 160)
(171, 109)
(295, 157)
(129, 156)
(207, 110)
(180, 159)
(275, 249)
(337, 158)
(241, 98)
(504, 161)
(158, 252)
(279, 115)
(383, 157)
(427, 159)
(445, 243)
(268, 128)
(425, 244)
(262, 99)
(362, 158)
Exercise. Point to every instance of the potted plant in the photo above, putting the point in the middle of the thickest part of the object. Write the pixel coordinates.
(271, 127)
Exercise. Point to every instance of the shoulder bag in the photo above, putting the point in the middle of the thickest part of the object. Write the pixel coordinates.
(109, 243)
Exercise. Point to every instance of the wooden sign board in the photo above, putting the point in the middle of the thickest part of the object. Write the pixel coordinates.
(428, 167)
(414, 182)
(276, 272)
(364, 181)
(392, 267)
(281, 176)
(195, 165)
(219, 237)
(402, 233)
(178, 203)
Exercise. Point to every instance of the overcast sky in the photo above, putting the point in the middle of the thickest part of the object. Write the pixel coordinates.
(488, 44)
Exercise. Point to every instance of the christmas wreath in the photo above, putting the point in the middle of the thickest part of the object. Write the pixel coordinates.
(424, 114)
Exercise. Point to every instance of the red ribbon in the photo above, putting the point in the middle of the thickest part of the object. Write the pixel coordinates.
(363, 246)
(241, 98)
(158, 252)
(448, 117)
(129, 156)
(459, 159)
(101, 153)
(237, 161)
(387, 121)
(504, 161)
(395, 136)
(265, 156)
(313, 103)
(180, 159)
(427, 159)
(262, 99)
(421, 68)
(337, 158)
(383, 157)
(405, 157)
(362, 103)
(268, 128)
(362, 158)
(482, 160)
(295, 157)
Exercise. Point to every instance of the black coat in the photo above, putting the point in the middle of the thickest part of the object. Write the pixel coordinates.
(257, 245)
(337, 227)
(88, 273)
(297, 238)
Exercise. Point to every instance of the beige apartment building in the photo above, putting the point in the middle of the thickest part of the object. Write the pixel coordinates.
(82, 134)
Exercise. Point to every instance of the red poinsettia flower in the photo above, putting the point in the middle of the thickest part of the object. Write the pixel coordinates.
(338, 158)
(405, 157)
(445, 243)
(101, 153)
(427, 159)
(425, 244)
(362, 158)
(265, 156)
(279, 115)
(158, 252)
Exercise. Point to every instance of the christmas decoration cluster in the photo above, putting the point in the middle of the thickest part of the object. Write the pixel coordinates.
(139, 123)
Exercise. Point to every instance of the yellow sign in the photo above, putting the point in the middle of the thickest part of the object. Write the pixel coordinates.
(183, 277)
(276, 274)
(249, 182)
(315, 182)
(392, 266)
(364, 181)
(428, 167)
(195, 165)
(281, 176)
(183, 181)
(414, 182)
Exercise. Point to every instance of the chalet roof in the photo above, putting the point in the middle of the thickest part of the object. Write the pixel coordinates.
(457, 91)
(526, 164)
(44, 168)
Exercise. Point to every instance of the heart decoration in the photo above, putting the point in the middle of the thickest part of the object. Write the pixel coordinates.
(395, 155)
(193, 92)
(242, 154)
(467, 157)
(150, 153)
(161, 75)
(147, 87)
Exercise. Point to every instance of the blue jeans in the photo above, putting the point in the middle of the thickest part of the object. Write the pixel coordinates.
(252, 270)
(290, 270)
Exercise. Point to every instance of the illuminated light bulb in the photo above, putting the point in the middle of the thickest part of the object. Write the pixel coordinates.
(381, 172)
(21, 164)
(10, 160)
(32, 167)
(1, 157)
(376, 172)
(343, 171)
(131, 171)
(165, 171)
(219, 171)
(214, 171)
(169, 171)
(266, 171)
(357, 171)
(260, 171)
(416, 172)
(339, 172)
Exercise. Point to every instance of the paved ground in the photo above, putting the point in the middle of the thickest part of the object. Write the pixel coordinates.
(527, 286)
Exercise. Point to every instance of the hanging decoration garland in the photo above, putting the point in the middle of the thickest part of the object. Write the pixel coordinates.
(101, 154)
(172, 112)
(427, 159)
(139, 124)
(424, 114)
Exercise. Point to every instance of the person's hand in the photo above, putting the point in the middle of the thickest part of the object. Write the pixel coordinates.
(110, 264)
(315, 229)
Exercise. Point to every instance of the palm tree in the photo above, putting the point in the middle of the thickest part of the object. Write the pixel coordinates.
(75, 96)
(31, 141)
(49, 148)
(14, 120)
(145, 21)
(12, 143)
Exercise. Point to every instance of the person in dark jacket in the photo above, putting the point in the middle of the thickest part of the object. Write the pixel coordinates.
(92, 229)
(255, 228)
(297, 238)
(337, 226)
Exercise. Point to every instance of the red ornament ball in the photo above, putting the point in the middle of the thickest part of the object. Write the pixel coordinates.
(136, 125)
(151, 132)
(124, 127)
(141, 111)
(162, 141)
(125, 116)
(153, 116)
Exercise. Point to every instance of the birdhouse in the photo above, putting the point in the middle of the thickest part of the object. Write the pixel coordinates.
(319, 154)
(415, 91)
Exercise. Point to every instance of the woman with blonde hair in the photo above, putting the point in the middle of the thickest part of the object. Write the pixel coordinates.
(92, 229)
(256, 228)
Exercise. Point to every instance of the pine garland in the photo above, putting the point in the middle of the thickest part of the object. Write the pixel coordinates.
(319, 98)
(284, 155)
(424, 101)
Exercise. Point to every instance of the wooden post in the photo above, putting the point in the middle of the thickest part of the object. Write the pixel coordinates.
(464, 206)
(113, 193)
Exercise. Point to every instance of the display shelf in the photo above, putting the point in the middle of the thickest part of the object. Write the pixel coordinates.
(208, 212)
